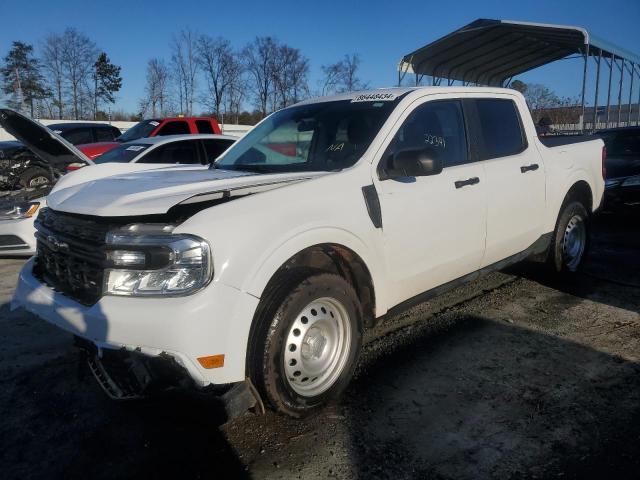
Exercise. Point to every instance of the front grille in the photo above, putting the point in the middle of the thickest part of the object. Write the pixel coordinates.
(70, 254)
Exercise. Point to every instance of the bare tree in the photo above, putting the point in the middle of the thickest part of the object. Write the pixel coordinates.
(342, 76)
(221, 68)
(539, 97)
(235, 97)
(78, 57)
(185, 66)
(156, 89)
(259, 57)
(290, 70)
(52, 54)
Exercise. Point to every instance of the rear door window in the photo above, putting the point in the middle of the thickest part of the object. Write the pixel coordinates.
(104, 135)
(215, 147)
(204, 126)
(78, 136)
(175, 127)
(185, 152)
(500, 128)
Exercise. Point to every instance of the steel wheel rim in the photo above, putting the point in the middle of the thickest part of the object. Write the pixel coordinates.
(37, 181)
(317, 347)
(574, 242)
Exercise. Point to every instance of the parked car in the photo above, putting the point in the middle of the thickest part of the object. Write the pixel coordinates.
(21, 168)
(622, 165)
(154, 128)
(19, 210)
(269, 267)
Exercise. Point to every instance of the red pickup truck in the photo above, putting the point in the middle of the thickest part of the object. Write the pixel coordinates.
(152, 128)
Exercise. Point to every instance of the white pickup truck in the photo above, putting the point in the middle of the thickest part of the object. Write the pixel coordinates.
(326, 217)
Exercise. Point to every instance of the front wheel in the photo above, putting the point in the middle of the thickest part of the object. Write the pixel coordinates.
(309, 343)
(571, 239)
(35, 177)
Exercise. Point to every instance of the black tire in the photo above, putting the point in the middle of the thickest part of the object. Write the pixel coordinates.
(35, 177)
(280, 311)
(561, 259)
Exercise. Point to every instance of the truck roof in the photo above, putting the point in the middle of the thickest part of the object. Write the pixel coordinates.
(389, 94)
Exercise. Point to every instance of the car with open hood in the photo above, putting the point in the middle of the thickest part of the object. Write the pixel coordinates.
(20, 167)
(266, 269)
(18, 210)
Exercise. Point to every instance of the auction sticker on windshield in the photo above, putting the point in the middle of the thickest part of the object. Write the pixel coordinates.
(135, 148)
(374, 97)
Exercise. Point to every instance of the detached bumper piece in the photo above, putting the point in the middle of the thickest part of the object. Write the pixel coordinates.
(126, 375)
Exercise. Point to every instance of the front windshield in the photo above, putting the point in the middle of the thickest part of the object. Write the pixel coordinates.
(121, 154)
(316, 137)
(139, 130)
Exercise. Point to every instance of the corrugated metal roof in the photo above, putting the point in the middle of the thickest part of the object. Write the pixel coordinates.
(489, 52)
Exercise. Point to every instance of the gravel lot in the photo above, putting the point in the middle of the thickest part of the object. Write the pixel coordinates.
(518, 375)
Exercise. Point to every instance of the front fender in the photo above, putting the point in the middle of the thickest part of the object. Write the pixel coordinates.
(273, 258)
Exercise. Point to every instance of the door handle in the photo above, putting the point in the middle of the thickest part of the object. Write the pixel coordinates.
(528, 168)
(469, 181)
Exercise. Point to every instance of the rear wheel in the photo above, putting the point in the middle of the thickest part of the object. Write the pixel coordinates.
(308, 343)
(571, 238)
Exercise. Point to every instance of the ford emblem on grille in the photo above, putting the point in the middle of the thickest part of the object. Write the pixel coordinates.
(56, 245)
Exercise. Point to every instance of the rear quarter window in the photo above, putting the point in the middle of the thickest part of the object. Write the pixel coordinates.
(500, 128)
(204, 126)
(176, 127)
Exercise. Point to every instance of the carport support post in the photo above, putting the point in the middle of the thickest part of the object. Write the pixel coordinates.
(595, 101)
(638, 115)
(633, 71)
(584, 81)
(620, 92)
(613, 59)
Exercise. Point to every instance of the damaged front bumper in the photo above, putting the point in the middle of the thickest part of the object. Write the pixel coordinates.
(126, 375)
(148, 332)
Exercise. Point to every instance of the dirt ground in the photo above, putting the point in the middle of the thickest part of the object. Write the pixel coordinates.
(518, 375)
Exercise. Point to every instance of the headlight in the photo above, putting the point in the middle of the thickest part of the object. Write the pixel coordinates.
(19, 210)
(148, 260)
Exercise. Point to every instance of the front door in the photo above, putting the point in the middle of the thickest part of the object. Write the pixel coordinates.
(433, 226)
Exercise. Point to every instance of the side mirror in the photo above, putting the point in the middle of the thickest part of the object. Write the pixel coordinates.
(419, 162)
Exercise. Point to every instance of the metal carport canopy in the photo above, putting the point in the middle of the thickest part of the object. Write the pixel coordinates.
(490, 52)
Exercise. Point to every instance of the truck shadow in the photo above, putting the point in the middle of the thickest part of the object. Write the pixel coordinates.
(57, 423)
(611, 273)
(478, 398)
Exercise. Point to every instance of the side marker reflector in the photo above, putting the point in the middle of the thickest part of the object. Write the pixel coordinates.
(214, 361)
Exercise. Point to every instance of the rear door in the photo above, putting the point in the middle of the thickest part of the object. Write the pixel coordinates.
(433, 226)
(515, 177)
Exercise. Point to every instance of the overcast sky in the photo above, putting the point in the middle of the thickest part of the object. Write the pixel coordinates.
(380, 31)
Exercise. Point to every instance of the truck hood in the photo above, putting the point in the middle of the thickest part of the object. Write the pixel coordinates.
(46, 144)
(156, 191)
